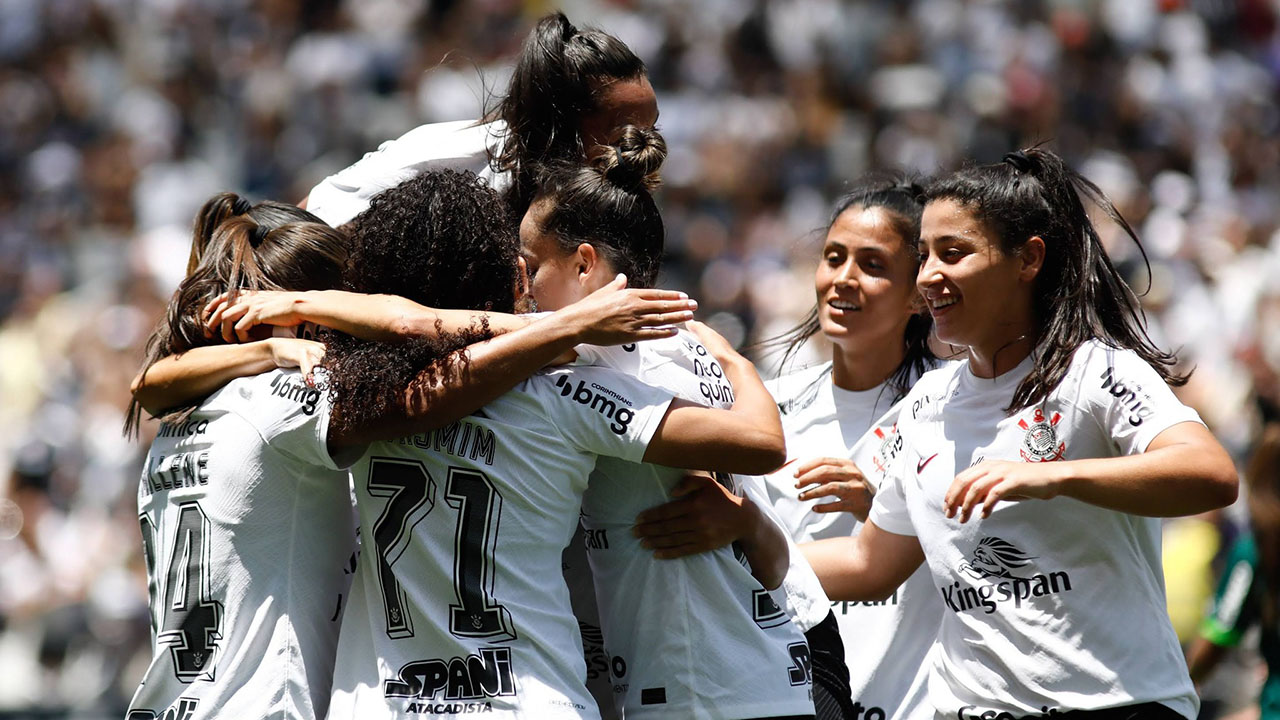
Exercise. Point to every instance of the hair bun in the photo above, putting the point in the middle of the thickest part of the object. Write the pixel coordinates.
(633, 162)
(240, 206)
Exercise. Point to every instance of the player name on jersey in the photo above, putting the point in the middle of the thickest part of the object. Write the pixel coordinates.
(460, 439)
(180, 470)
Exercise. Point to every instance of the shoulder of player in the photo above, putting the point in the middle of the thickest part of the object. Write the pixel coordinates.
(929, 392)
(270, 397)
(798, 390)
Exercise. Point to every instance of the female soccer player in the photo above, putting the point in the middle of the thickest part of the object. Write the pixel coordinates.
(245, 516)
(840, 420)
(570, 91)
(696, 637)
(458, 605)
(1031, 475)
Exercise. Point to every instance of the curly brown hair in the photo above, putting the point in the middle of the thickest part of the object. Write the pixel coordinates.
(442, 239)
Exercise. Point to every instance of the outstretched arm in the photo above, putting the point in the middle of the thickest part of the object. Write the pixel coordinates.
(181, 379)
(747, 438)
(473, 377)
(866, 567)
(1184, 471)
(381, 318)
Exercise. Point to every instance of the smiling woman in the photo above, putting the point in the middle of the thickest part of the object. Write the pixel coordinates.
(1047, 604)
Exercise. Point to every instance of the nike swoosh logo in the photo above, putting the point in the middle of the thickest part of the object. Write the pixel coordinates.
(920, 465)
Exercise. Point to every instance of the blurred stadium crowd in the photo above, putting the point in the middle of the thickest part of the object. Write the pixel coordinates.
(119, 117)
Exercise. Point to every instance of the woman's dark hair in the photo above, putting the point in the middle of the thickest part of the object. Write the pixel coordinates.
(1078, 295)
(557, 75)
(235, 246)
(1263, 478)
(608, 204)
(442, 239)
(900, 198)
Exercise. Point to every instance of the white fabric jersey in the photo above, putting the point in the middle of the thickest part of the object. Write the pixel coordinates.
(1048, 604)
(459, 145)
(246, 527)
(885, 642)
(458, 606)
(696, 637)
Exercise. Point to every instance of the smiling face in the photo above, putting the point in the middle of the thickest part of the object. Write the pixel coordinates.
(979, 296)
(864, 281)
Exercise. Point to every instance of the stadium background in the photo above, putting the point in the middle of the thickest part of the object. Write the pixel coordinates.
(119, 117)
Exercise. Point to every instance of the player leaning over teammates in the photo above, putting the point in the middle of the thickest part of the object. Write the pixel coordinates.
(570, 91)
(840, 420)
(697, 637)
(458, 605)
(245, 517)
(1031, 475)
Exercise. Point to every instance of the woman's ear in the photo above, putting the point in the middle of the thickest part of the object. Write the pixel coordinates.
(522, 278)
(588, 262)
(1031, 258)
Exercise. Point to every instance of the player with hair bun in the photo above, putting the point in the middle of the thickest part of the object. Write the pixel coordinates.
(699, 636)
(1031, 475)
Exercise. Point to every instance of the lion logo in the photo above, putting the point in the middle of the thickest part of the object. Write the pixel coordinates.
(995, 558)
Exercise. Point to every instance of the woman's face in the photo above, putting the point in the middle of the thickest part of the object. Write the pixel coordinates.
(619, 103)
(979, 296)
(865, 281)
(555, 276)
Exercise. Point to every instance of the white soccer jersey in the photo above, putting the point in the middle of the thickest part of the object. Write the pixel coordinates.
(696, 637)
(885, 642)
(1048, 605)
(459, 145)
(247, 531)
(458, 606)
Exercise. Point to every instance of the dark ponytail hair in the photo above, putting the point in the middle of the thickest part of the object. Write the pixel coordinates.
(557, 74)
(270, 246)
(901, 199)
(608, 204)
(1078, 295)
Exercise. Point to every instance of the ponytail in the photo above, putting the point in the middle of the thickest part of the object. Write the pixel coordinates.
(1078, 295)
(270, 246)
(552, 86)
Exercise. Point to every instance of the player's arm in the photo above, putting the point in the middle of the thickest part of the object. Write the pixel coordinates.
(471, 378)
(703, 515)
(747, 438)
(182, 379)
(381, 318)
(1183, 471)
(866, 567)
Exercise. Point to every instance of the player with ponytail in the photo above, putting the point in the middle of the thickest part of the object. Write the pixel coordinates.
(1031, 475)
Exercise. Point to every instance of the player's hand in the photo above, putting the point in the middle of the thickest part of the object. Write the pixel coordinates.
(987, 483)
(838, 479)
(233, 320)
(703, 515)
(614, 315)
(296, 352)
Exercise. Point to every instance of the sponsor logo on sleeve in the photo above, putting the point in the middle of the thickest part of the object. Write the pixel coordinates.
(603, 400)
(998, 573)
(456, 685)
(1040, 442)
(1129, 395)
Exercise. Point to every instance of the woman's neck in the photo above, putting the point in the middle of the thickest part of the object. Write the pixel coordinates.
(992, 362)
(853, 370)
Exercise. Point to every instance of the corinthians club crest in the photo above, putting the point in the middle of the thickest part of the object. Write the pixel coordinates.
(1040, 443)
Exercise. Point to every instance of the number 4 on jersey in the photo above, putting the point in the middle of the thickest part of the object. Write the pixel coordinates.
(190, 619)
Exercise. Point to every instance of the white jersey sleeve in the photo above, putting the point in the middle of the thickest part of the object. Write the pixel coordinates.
(889, 510)
(603, 411)
(293, 417)
(1130, 401)
(460, 145)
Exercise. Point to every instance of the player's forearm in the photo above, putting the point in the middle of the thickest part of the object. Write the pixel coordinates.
(1181, 478)
(866, 567)
(754, 405)
(183, 379)
(391, 318)
(765, 546)
(472, 378)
